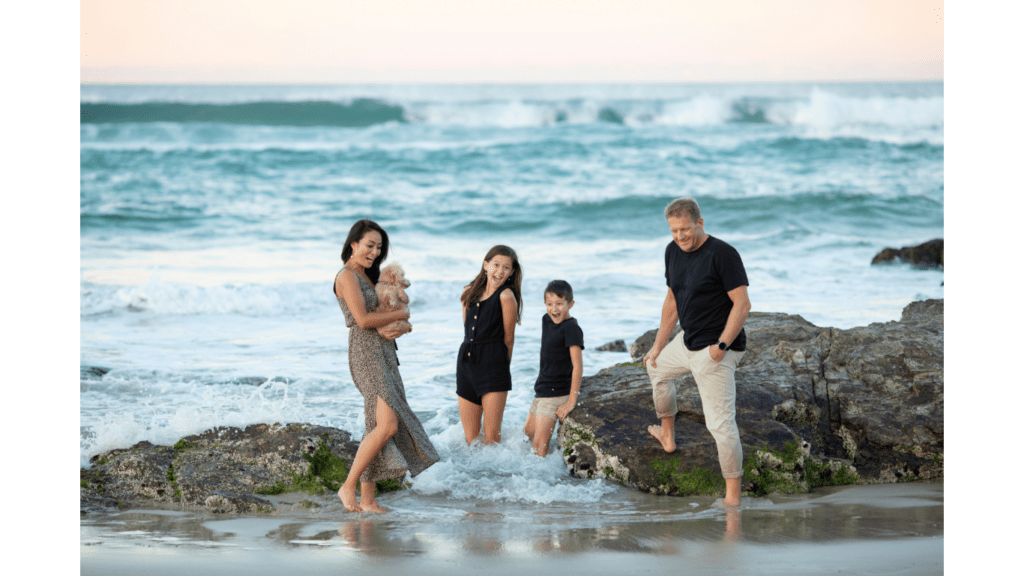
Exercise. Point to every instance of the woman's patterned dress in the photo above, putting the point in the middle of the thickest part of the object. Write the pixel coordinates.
(374, 366)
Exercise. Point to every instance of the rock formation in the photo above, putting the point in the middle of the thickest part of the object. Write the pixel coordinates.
(814, 406)
(927, 255)
(222, 469)
(614, 346)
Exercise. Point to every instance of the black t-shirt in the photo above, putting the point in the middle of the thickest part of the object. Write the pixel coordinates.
(700, 281)
(555, 378)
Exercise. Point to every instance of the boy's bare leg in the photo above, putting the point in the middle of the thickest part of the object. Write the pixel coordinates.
(368, 501)
(666, 433)
(542, 438)
(530, 426)
(494, 410)
(470, 415)
(732, 492)
(386, 427)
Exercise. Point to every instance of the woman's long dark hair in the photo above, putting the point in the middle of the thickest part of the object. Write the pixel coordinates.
(471, 295)
(360, 229)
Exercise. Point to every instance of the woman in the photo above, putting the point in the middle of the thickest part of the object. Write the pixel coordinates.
(491, 307)
(394, 441)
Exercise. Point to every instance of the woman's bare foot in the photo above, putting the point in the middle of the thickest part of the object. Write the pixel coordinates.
(369, 500)
(348, 498)
(667, 440)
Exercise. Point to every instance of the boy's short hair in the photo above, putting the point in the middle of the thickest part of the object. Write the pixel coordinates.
(560, 288)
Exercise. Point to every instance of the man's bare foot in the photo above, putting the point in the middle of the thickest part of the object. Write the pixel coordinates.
(348, 498)
(732, 493)
(730, 500)
(667, 439)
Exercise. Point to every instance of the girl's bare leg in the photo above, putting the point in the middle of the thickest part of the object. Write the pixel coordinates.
(541, 440)
(470, 415)
(387, 426)
(494, 410)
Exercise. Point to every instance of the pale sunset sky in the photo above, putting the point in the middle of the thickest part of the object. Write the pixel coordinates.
(527, 41)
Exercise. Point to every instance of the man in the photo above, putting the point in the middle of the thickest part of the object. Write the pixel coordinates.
(707, 295)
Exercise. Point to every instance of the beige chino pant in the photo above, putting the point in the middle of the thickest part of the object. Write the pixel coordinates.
(716, 383)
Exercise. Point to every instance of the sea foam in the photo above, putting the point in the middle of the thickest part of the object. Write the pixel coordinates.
(161, 297)
(508, 471)
(827, 109)
(180, 410)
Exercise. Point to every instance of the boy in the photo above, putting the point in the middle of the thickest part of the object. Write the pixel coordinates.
(561, 366)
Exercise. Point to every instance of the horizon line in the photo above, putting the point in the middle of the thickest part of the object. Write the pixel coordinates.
(492, 83)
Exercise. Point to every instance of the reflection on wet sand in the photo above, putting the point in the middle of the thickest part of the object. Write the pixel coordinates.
(168, 526)
(732, 526)
(870, 519)
(486, 534)
(359, 535)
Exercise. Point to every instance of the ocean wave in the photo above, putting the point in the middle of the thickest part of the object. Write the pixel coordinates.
(162, 297)
(158, 296)
(640, 217)
(835, 145)
(819, 108)
(360, 112)
(826, 109)
(787, 219)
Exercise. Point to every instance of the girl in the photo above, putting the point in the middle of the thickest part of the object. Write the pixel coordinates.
(394, 441)
(491, 307)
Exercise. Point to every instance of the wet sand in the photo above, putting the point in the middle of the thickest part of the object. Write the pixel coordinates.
(880, 529)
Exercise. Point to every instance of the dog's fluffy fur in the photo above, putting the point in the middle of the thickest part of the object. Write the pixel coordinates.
(391, 296)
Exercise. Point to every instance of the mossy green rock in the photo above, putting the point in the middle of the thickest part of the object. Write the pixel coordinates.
(606, 436)
(867, 403)
(224, 469)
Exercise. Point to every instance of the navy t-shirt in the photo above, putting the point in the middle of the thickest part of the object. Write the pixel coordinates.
(555, 378)
(700, 281)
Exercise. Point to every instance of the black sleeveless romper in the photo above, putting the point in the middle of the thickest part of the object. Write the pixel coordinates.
(483, 364)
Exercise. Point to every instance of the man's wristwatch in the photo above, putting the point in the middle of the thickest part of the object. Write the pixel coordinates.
(722, 346)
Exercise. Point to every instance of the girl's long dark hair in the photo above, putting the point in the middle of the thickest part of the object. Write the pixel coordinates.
(471, 295)
(360, 229)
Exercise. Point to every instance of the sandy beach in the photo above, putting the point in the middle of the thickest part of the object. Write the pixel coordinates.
(876, 529)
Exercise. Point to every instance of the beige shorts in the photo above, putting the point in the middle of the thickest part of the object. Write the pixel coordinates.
(547, 406)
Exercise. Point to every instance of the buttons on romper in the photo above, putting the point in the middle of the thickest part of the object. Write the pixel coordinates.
(474, 328)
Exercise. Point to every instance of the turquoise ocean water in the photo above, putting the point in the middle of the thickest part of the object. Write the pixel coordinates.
(212, 219)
